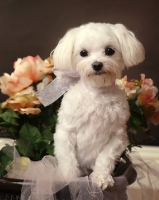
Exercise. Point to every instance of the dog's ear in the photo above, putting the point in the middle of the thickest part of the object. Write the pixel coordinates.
(62, 55)
(132, 50)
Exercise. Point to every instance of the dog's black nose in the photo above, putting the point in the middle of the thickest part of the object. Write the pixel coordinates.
(97, 66)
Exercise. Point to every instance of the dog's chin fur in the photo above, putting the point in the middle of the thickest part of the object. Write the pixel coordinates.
(102, 78)
(91, 132)
(99, 80)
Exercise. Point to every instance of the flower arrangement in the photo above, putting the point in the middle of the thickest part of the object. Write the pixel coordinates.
(144, 107)
(31, 125)
(22, 116)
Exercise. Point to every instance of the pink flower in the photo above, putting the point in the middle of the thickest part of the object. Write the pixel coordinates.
(147, 93)
(148, 98)
(27, 71)
(29, 67)
(10, 84)
(130, 88)
(146, 83)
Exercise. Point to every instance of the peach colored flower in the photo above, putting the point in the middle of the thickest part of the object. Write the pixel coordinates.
(10, 84)
(121, 82)
(47, 66)
(29, 67)
(130, 88)
(23, 102)
(146, 83)
(33, 111)
(27, 71)
(147, 97)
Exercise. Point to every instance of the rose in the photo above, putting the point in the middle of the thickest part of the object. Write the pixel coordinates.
(29, 67)
(26, 71)
(24, 102)
(47, 66)
(33, 67)
(10, 84)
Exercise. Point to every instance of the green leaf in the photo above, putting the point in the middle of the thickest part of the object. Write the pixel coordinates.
(135, 124)
(42, 146)
(137, 120)
(47, 135)
(25, 148)
(32, 144)
(5, 160)
(50, 149)
(31, 134)
(3, 123)
(132, 140)
(10, 117)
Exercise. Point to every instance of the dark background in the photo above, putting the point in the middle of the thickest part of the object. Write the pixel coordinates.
(33, 27)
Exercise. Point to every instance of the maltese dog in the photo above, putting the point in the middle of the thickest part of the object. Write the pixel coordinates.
(91, 132)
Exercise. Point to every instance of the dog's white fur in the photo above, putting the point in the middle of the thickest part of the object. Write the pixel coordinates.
(91, 133)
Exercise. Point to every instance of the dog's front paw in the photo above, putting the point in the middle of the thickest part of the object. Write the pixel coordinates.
(102, 181)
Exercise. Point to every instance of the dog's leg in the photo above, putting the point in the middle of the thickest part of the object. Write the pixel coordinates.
(65, 141)
(106, 160)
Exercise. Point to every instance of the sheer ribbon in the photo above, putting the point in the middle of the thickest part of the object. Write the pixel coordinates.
(57, 87)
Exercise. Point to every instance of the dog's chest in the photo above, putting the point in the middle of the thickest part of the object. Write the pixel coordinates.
(89, 113)
(90, 118)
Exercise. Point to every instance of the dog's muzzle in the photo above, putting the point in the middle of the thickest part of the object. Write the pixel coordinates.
(97, 66)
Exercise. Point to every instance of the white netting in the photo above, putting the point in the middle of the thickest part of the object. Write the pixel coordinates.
(44, 181)
(147, 178)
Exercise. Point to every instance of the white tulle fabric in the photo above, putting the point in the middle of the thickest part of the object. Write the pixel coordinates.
(147, 178)
(42, 180)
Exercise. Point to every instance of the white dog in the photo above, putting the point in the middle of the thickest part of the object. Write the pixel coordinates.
(91, 133)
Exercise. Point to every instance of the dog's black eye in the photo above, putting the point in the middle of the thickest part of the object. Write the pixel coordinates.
(109, 51)
(84, 53)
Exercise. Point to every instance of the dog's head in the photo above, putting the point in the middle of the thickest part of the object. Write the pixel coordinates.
(98, 52)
